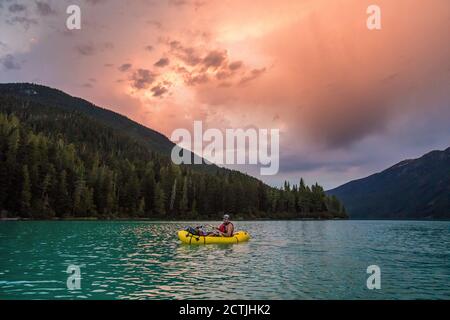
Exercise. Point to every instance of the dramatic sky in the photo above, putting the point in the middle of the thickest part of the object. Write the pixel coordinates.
(348, 101)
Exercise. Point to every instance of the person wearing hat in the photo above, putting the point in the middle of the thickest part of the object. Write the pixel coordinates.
(226, 229)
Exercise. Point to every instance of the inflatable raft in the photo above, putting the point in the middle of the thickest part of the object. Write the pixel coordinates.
(189, 238)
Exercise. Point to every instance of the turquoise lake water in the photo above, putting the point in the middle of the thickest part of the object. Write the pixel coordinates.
(283, 260)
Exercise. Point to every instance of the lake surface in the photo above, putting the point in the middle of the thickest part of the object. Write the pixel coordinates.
(283, 260)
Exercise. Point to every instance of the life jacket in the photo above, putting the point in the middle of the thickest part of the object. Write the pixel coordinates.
(223, 227)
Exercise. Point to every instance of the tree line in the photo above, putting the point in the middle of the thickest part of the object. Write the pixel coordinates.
(64, 164)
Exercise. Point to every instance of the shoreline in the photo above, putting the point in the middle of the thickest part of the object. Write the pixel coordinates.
(206, 219)
(163, 220)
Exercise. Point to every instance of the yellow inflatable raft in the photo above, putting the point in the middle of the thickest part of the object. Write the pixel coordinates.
(189, 238)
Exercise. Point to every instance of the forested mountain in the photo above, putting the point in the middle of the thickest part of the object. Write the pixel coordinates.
(411, 189)
(64, 157)
(56, 98)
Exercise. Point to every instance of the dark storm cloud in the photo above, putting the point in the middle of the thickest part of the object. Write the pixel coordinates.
(188, 55)
(222, 75)
(8, 62)
(202, 66)
(197, 79)
(351, 115)
(85, 49)
(228, 71)
(24, 21)
(162, 62)
(142, 79)
(44, 9)
(290, 162)
(125, 67)
(95, 2)
(178, 2)
(14, 8)
(158, 91)
(255, 73)
(214, 59)
(235, 65)
(88, 49)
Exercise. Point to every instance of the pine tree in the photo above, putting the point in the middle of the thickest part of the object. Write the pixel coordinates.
(44, 207)
(80, 186)
(173, 195)
(109, 192)
(141, 208)
(4, 183)
(25, 196)
(160, 200)
(184, 197)
(148, 190)
(87, 203)
(194, 211)
(63, 202)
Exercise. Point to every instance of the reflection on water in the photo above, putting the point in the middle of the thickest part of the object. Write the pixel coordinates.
(283, 260)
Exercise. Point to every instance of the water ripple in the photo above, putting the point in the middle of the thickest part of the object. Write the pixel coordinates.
(283, 260)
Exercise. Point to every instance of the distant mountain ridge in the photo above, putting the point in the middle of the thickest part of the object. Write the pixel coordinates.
(411, 189)
(153, 140)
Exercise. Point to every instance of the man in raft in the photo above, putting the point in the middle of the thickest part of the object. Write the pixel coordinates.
(226, 229)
